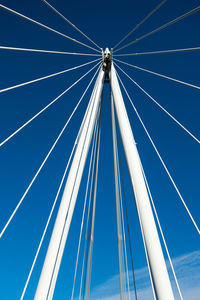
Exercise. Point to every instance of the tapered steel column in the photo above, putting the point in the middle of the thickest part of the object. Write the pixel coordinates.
(93, 212)
(117, 200)
(161, 282)
(55, 250)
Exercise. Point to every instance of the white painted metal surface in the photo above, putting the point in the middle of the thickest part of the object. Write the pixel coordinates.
(158, 268)
(118, 215)
(55, 250)
(93, 212)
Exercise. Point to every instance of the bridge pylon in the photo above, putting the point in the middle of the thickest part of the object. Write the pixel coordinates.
(160, 278)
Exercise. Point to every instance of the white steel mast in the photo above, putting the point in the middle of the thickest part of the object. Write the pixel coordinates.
(48, 277)
(118, 214)
(86, 295)
(158, 269)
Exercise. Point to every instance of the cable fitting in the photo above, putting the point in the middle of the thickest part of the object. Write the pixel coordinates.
(106, 63)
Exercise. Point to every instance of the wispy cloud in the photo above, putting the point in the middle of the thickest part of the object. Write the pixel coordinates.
(187, 269)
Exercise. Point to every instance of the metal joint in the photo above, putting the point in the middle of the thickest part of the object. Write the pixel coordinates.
(106, 63)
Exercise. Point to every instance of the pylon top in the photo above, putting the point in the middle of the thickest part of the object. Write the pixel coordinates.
(106, 63)
(106, 59)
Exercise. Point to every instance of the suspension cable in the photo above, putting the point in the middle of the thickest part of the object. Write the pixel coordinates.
(83, 215)
(144, 243)
(86, 128)
(41, 166)
(93, 209)
(139, 24)
(159, 105)
(127, 222)
(121, 206)
(47, 51)
(86, 114)
(147, 258)
(85, 258)
(164, 165)
(49, 218)
(161, 27)
(88, 214)
(159, 52)
(61, 15)
(162, 235)
(123, 227)
(117, 200)
(42, 110)
(46, 27)
(46, 77)
(160, 75)
(146, 254)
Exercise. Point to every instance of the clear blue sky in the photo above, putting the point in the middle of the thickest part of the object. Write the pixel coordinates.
(106, 23)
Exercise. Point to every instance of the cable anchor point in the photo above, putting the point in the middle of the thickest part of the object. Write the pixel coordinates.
(106, 63)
